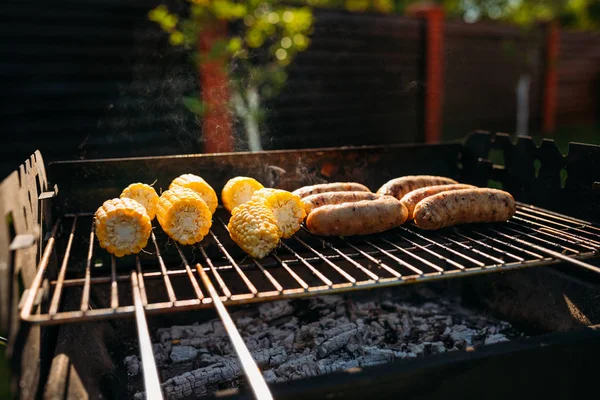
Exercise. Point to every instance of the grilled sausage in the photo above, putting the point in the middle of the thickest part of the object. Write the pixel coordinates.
(360, 218)
(323, 199)
(411, 199)
(464, 206)
(331, 187)
(400, 186)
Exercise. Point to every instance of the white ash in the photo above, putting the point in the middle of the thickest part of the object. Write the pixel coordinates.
(301, 338)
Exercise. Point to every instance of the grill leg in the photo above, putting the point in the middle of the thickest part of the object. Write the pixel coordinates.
(255, 378)
(151, 381)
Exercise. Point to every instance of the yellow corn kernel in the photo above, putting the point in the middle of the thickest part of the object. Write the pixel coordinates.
(287, 208)
(253, 227)
(122, 226)
(238, 190)
(183, 215)
(199, 186)
(143, 194)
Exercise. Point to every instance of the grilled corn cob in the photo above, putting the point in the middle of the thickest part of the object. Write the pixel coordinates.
(238, 190)
(287, 208)
(183, 215)
(199, 186)
(143, 194)
(122, 226)
(253, 227)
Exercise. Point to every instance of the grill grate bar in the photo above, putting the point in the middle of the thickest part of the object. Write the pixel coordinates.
(141, 284)
(373, 259)
(446, 248)
(312, 269)
(343, 273)
(489, 246)
(559, 232)
(478, 252)
(232, 261)
(114, 290)
(220, 280)
(291, 272)
(578, 229)
(560, 217)
(350, 260)
(85, 296)
(416, 257)
(397, 259)
(303, 265)
(190, 274)
(557, 236)
(63, 270)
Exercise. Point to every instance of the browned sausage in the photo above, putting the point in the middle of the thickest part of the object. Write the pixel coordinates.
(464, 206)
(400, 186)
(323, 199)
(359, 218)
(411, 199)
(331, 187)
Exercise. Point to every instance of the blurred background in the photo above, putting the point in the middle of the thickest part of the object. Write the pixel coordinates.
(119, 78)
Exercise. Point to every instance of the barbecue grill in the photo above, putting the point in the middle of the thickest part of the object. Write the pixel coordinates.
(60, 289)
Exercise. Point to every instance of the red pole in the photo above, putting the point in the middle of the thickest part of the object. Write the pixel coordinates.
(550, 79)
(217, 126)
(434, 69)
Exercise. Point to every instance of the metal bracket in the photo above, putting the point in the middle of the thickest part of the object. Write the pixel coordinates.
(49, 194)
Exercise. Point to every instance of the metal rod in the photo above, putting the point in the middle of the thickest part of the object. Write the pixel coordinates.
(545, 232)
(347, 276)
(141, 284)
(556, 254)
(163, 270)
(222, 284)
(393, 257)
(322, 277)
(114, 293)
(433, 253)
(151, 380)
(416, 257)
(190, 274)
(350, 260)
(37, 281)
(557, 224)
(489, 246)
(560, 217)
(270, 277)
(291, 272)
(373, 259)
(85, 296)
(470, 248)
(558, 231)
(446, 248)
(63, 270)
(232, 261)
(255, 378)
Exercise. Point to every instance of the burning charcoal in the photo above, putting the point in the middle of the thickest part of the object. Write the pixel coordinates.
(132, 363)
(462, 336)
(496, 338)
(275, 310)
(269, 376)
(417, 349)
(375, 356)
(337, 342)
(183, 353)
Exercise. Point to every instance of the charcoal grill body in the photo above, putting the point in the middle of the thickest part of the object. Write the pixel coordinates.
(56, 361)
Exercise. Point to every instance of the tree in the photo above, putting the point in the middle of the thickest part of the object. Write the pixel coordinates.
(265, 37)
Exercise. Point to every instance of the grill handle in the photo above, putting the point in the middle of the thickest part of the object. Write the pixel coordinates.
(151, 380)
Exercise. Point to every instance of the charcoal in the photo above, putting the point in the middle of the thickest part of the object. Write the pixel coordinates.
(298, 339)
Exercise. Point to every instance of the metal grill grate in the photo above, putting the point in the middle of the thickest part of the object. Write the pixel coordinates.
(90, 284)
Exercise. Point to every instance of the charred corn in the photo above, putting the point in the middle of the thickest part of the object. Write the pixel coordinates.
(183, 215)
(143, 194)
(253, 227)
(238, 190)
(122, 226)
(199, 186)
(287, 208)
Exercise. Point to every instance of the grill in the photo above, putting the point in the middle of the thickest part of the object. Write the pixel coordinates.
(216, 274)
(304, 265)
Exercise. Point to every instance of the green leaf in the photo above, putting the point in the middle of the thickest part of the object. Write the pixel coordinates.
(195, 105)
